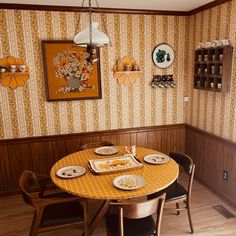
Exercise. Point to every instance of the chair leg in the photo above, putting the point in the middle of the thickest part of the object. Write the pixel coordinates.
(189, 216)
(177, 207)
(36, 222)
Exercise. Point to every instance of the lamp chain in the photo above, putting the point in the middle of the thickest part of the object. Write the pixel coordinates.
(103, 19)
(90, 22)
(78, 22)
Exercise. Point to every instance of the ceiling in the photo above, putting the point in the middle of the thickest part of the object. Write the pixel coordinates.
(168, 5)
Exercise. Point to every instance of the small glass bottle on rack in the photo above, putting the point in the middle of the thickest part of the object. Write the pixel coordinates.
(213, 70)
(221, 69)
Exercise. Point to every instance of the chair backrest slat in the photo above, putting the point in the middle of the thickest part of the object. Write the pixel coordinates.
(187, 163)
(183, 160)
(95, 144)
(141, 210)
(136, 210)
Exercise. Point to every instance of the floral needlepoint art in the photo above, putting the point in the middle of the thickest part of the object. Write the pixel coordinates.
(69, 75)
(75, 69)
(13, 72)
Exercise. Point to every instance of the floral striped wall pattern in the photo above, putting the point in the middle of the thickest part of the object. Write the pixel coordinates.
(210, 111)
(24, 112)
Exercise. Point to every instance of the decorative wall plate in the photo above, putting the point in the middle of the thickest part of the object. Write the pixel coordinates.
(163, 55)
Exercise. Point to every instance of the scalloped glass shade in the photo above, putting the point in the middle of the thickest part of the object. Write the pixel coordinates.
(98, 38)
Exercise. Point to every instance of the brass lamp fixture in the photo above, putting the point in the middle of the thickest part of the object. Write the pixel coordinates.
(91, 37)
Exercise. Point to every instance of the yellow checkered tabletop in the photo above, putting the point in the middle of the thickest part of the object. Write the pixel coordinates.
(93, 186)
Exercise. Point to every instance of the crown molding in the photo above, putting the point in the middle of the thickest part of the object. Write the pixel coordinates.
(110, 10)
(207, 6)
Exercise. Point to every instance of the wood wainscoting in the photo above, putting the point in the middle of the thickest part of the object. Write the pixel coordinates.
(212, 155)
(40, 153)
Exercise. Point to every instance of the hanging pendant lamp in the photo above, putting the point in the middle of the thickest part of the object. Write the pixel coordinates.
(91, 37)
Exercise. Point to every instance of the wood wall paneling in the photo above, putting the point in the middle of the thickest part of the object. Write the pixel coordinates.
(212, 155)
(40, 153)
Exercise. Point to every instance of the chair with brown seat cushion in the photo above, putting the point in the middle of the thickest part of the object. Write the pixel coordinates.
(177, 193)
(95, 145)
(54, 210)
(135, 218)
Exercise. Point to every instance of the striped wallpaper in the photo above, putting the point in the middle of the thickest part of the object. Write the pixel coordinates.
(24, 112)
(212, 112)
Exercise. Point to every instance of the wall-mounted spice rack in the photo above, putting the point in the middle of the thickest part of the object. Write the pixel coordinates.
(212, 68)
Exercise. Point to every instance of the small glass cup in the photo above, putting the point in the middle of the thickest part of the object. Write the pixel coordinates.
(22, 68)
(219, 85)
(136, 67)
(213, 57)
(212, 85)
(2, 69)
(205, 70)
(205, 57)
(221, 57)
(13, 68)
(128, 67)
(221, 69)
(213, 69)
(199, 58)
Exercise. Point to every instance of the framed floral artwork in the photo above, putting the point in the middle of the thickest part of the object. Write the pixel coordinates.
(163, 56)
(68, 75)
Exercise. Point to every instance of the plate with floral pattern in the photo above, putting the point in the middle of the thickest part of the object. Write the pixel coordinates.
(129, 182)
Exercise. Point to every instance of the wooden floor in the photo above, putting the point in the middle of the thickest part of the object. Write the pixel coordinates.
(16, 216)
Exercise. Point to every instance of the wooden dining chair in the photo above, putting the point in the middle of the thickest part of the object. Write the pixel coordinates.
(135, 218)
(54, 210)
(177, 193)
(95, 145)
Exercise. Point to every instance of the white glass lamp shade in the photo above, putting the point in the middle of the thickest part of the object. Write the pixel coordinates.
(98, 38)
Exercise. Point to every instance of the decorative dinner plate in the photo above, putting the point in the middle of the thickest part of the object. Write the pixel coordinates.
(129, 182)
(156, 158)
(69, 172)
(106, 150)
(114, 164)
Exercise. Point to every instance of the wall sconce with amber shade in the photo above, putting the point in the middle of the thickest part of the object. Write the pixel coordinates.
(13, 72)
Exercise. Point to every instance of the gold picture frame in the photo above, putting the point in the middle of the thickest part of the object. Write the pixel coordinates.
(68, 75)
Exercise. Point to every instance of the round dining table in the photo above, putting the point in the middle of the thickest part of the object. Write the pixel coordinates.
(100, 186)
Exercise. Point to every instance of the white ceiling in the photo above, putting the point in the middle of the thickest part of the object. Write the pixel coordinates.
(169, 5)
